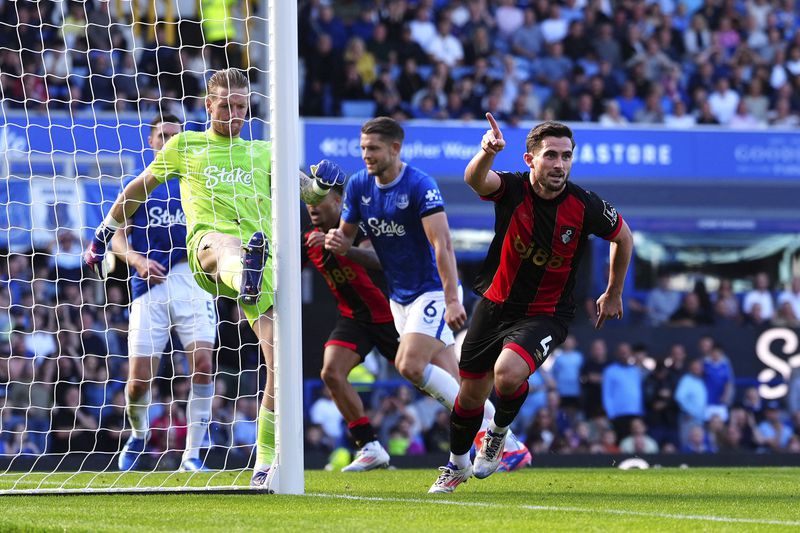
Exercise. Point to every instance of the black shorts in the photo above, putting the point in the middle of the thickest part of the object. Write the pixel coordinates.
(491, 329)
(362, 337)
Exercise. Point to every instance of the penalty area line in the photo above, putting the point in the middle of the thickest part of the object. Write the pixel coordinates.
(554, 508)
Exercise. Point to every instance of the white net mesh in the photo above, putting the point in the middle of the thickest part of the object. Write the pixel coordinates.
(80, 83)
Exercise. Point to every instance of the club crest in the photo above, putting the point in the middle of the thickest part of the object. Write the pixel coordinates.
(402, 201)
(567, 233)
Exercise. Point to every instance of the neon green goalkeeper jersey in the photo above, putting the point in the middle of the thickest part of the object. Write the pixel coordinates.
(225, 183)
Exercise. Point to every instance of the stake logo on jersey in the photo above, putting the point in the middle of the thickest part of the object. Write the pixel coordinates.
(215, 175)
(392, 216)
(159, 230)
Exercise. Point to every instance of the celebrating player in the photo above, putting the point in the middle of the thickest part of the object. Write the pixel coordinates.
(365, 322)
(403, 212)
(225, 188)
(542, 225)
(153, 245)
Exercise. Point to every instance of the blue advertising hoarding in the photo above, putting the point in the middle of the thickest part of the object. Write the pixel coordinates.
(601, 154)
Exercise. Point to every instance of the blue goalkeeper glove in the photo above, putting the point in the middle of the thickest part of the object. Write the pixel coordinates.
(328, 174)
(95, 253)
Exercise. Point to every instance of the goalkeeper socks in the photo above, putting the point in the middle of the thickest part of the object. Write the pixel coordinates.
(362, 431)
(440, 385)
(464, 425)
(198, 415)
(137, 414)
(508, 406)
(265, 440)
(229, 271)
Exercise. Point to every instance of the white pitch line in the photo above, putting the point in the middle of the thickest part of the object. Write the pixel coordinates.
(706, 518)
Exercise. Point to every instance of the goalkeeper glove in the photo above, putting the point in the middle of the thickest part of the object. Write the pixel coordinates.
(327, 174)
(95, 253)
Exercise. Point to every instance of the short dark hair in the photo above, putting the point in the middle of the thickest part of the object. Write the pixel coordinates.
(546, 129)
(169, 118)
(387, 127)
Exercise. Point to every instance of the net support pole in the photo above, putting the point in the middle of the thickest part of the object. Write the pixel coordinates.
(284, 111)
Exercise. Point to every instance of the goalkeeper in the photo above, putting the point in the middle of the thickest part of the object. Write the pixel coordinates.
(225, 191)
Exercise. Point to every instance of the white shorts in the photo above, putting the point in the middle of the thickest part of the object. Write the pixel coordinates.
(424, 315)
(178, 302)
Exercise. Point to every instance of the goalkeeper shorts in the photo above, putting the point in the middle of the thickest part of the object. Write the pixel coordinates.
(252, 312)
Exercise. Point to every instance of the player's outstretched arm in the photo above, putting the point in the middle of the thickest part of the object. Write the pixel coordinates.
(438, 232)
(126, 204)
(324, 175)
(150, 270)
(609, 305)
(478, 174)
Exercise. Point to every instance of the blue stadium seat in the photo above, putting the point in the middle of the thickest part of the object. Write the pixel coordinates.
(358, 108)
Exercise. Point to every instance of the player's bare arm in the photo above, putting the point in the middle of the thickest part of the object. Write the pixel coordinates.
(479, 174)
(340, 240)
(438, 232)
(150, 270)
(363, 254)
(609, 305)
(325, 175)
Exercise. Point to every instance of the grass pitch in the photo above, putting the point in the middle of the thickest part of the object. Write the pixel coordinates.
(721, 499)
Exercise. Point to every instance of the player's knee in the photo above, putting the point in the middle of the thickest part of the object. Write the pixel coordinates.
(507, 382)
(333, 377)
(137, 388)
(411, 370)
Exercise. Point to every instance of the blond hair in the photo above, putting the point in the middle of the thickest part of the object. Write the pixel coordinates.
(229, 78)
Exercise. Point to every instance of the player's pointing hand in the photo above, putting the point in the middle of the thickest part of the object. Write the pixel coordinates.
(492, 141)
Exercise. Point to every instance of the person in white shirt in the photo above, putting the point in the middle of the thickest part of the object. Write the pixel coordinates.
(792, 296)
(760, 295)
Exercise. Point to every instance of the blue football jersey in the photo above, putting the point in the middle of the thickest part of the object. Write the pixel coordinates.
(159, 230)
(392, 217)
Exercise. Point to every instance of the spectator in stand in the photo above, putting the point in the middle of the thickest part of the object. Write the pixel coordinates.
(527, 41)
(720, 382)
(612, 117)
(785, 316)
(73, 428)
(760, 295)
(726, 305)
(692, 398)
(542, 432)
(773, 431)
(382, 49)
(566, 372)
(745, 424)
(538, 384)
(592, 378)
(690, 313)
(444, 46)
(697, 441)
(638, 442)
(679, 118)
(791, 296)
(622, 390)
(661, 409)
(629, 102)
(662, 301)
(325, 413)
(723, 101)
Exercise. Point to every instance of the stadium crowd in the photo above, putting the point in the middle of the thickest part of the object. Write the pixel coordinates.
(734, 63)
(64, 365)
(678, 63)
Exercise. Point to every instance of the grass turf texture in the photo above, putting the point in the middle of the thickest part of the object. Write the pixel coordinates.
(746, 499)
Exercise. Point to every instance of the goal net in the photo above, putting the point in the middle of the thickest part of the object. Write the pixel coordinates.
(81, 83)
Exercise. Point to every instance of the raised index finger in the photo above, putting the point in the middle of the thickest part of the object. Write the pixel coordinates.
(495, 127)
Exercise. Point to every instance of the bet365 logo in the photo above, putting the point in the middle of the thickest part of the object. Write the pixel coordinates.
(778, 364)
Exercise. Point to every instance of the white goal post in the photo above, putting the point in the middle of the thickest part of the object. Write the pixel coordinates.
(79, 88)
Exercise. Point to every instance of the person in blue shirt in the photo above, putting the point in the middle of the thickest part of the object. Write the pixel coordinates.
(720, 382)
(402, 211)
(623, 395)
(566, 372)
(164, 296)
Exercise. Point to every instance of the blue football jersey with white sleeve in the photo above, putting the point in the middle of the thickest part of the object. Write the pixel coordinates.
(159, 230)
(392, 217)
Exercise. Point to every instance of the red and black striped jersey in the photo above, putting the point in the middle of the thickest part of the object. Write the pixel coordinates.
(357, 294)
(538, 244)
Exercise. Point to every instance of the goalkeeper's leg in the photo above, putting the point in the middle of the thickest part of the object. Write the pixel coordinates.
(265, 439)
